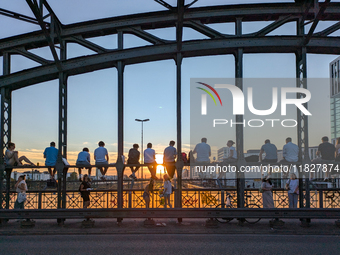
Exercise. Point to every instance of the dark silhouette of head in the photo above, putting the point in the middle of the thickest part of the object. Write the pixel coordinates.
(288, 140)
(11, 145)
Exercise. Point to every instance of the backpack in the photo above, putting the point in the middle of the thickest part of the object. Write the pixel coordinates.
(184, 157)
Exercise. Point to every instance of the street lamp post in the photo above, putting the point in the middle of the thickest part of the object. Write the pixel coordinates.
(142, 152)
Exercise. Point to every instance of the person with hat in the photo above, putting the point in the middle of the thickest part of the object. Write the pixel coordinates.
(232, 158)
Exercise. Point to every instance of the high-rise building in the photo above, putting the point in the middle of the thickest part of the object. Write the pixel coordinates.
(335, 97)
(222, 153)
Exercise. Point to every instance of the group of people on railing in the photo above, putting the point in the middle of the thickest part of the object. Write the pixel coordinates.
(326, 150)
(101, 158)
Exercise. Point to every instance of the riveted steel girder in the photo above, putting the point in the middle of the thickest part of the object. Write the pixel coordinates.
(273, 44)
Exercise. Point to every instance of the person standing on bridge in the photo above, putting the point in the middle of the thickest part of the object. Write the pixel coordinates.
(51, 156)
(21, 188)
(147, 193)
(292, 186)
(203, 152)
(169, 157)
(267, 195)
(101, 156)
(167, 191)
(85, 188)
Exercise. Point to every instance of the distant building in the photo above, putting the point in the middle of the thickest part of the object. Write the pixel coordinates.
(34, 175)
(335, 97)
(222, 153)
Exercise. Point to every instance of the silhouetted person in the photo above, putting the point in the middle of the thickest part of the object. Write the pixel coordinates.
(101, 156)
(150, 159)
(170, 154)
(147, 193)
(134, 155)
(84, 189)
(327, 152)
(84, 161)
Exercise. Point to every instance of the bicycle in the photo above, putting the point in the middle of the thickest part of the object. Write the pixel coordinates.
(229, 204)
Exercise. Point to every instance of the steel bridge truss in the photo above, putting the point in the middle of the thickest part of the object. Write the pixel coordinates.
(56, 36)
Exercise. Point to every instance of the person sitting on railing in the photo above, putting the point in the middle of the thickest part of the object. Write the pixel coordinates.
(84, 161)
(12, 157)
(51, 156)
(169, 157)
(270, 150)
(146, 195)
(203, 152)
(134, 155)
(232, 158)
(85, 188)
(150, 158)
(167, 191)
(327, 151)
(101, 156)
(290, 154)
(290, 151)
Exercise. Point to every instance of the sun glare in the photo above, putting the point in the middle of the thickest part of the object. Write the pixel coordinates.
(159, 160)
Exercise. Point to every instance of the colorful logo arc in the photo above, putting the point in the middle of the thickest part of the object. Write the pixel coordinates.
(209, 93)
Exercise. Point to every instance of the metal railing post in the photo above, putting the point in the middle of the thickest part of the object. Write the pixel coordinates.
(8, 186)
(2, 171)
(321, 199)
(59, 166)
(65, 169)
(39, 199)
(120, 173)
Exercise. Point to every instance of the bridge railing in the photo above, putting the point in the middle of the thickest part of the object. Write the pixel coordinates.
(191, 198)
(107, 196)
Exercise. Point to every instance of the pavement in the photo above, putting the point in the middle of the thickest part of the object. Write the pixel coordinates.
(170, 244)
(169, 226)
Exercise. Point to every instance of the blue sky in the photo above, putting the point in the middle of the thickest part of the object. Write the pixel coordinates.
(149, 88)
